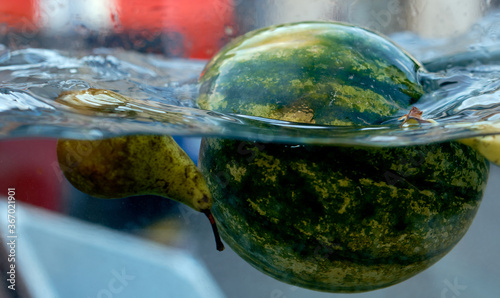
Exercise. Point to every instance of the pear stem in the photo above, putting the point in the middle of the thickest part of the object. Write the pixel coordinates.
(218, 241)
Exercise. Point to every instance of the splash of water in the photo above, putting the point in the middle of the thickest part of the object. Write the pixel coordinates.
(463, 97)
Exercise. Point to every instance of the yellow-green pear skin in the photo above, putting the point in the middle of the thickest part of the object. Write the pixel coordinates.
(488, 146)
(135, 165)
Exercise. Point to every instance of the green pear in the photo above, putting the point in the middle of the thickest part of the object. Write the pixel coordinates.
(130, 165)
(488, 145)
(136, 165)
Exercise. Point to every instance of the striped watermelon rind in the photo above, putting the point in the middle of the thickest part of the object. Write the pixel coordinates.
(330, 218)
(342, 219)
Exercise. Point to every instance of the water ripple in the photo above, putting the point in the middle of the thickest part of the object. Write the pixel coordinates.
(161, 99)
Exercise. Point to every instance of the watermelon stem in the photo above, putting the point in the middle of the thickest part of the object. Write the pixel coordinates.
(218, 241)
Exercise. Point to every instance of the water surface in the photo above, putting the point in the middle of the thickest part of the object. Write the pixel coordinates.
(462, 86)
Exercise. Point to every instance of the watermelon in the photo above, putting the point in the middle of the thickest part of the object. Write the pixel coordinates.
(320, 73)
(332, 218)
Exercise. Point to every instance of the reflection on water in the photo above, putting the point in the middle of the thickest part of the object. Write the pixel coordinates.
(159, 96)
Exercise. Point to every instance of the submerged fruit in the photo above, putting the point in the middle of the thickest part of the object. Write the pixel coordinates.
(342, 219)
(132, 165)
(488, 146)
(329, 218)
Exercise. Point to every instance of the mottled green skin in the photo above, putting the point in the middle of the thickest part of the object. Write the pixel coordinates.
(315, 72)
(342, 219)
(338, 219)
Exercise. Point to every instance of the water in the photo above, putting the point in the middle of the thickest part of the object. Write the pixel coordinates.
(463, 96)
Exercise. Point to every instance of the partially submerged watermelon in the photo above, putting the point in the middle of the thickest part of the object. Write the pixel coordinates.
(322, 73)
(329, 218)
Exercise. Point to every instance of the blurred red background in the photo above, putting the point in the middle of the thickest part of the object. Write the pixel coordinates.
(190, 29)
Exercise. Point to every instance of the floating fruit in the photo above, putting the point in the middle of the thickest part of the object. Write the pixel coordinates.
(332, 218)
(133, 165)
